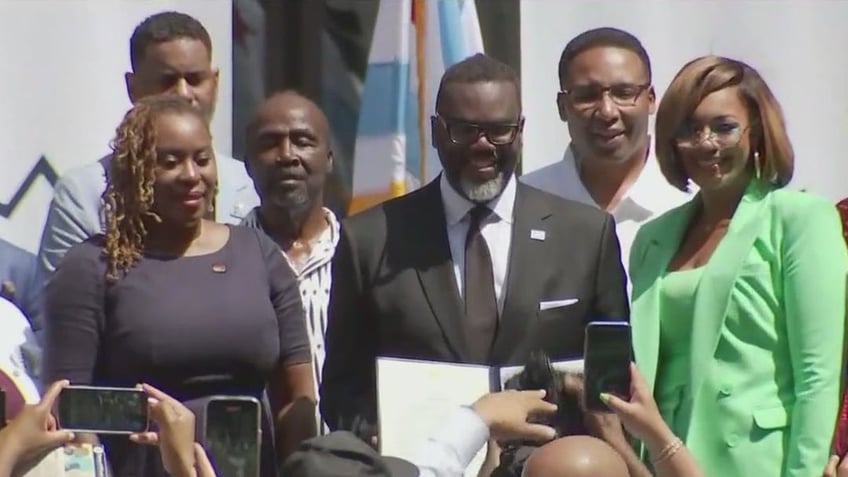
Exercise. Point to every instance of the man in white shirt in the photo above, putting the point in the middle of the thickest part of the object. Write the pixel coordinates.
(170, 53)
(606, 99)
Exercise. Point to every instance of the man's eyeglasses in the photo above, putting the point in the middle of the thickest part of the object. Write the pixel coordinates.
(465, 133)
(587, 96)
(722, 135)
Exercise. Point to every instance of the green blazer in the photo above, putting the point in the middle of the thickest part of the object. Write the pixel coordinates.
(767, 333)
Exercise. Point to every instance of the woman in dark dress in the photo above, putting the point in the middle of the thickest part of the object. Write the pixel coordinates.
(170, 298)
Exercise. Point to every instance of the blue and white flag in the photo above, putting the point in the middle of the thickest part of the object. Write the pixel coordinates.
(414, 41)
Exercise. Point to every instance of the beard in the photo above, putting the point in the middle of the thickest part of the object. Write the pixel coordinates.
(483, 192)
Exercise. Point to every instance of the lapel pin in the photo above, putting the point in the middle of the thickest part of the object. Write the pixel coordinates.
(219, 268)
(537, 235)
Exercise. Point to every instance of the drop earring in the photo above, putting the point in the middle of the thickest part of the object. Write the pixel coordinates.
(757, 169)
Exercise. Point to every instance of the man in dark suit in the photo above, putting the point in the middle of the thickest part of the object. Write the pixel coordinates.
(474, 267)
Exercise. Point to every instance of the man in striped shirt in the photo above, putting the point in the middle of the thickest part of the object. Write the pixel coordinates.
(289, 157)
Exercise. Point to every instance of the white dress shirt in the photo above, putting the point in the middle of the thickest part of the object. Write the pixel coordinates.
(649, 197)
(496, 230)
(450, 450)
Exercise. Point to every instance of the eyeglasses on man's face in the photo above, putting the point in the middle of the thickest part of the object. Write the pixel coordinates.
(464, 133)
(590, 95)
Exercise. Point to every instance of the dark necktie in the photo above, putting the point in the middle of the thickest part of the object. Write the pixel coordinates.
(481, 305)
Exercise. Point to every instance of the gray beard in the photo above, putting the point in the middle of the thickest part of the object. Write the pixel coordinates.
(481, 193)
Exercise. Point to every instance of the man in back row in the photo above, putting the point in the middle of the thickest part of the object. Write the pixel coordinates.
(606, 99)
(170, 52)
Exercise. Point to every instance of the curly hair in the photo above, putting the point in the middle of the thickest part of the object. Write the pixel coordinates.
(128, 198)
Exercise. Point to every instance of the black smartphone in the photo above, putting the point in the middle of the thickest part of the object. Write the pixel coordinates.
(607, 356)
(232, 435)
(102, 410)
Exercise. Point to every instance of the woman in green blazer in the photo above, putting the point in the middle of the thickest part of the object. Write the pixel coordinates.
(739, 295)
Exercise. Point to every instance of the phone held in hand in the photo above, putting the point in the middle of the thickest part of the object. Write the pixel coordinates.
(607, 357)
(232, 435)
(102, 410)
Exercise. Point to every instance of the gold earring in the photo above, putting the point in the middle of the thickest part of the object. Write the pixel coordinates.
(210, 209)
(757, 169)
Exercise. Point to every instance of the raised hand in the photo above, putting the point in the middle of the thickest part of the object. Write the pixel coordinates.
(506, 413)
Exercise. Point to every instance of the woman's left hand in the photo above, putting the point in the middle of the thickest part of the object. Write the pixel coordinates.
(836, 467)
(176, 431)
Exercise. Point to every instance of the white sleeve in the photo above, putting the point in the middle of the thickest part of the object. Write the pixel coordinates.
(452, 448)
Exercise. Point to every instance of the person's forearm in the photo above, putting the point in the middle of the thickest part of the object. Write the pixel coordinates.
(634, 465)
(8, 455)
(680, 463)
(295, 424)
(185, 466)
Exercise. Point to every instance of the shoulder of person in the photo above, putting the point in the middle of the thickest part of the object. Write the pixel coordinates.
(395, 211)
(792, 202)
(243, 233)
(87, 178)
(230, 163)
(572, 209)
(14, 256)
(233, 171)
(540, 178)
(89, 251)
(661, 223)
(798, 208)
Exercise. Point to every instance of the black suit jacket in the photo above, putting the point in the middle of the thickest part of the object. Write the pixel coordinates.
(394, 292)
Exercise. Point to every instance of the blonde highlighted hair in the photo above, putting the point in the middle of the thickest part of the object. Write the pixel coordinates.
(704, 76)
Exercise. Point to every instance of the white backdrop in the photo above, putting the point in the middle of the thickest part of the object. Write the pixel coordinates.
(798, 46)
(62, 90)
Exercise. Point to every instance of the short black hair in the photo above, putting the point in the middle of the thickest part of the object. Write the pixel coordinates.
(478, 69)
(600, 37)
(162, 27)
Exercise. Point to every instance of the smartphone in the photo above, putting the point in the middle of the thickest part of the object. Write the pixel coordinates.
(232, 435)
(102, 410)
(607, 356)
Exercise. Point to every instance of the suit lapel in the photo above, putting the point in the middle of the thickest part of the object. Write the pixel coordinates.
(525, 255)
(434, 266)
(653, 263)
(713, 295)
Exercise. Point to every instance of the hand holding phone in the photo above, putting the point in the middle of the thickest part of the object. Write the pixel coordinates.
(232, 436)
(607, 358)
(102, 410)
(175, 435)
(33, 430)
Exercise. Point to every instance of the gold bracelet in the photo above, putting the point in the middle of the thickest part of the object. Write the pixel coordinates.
(668, 451)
